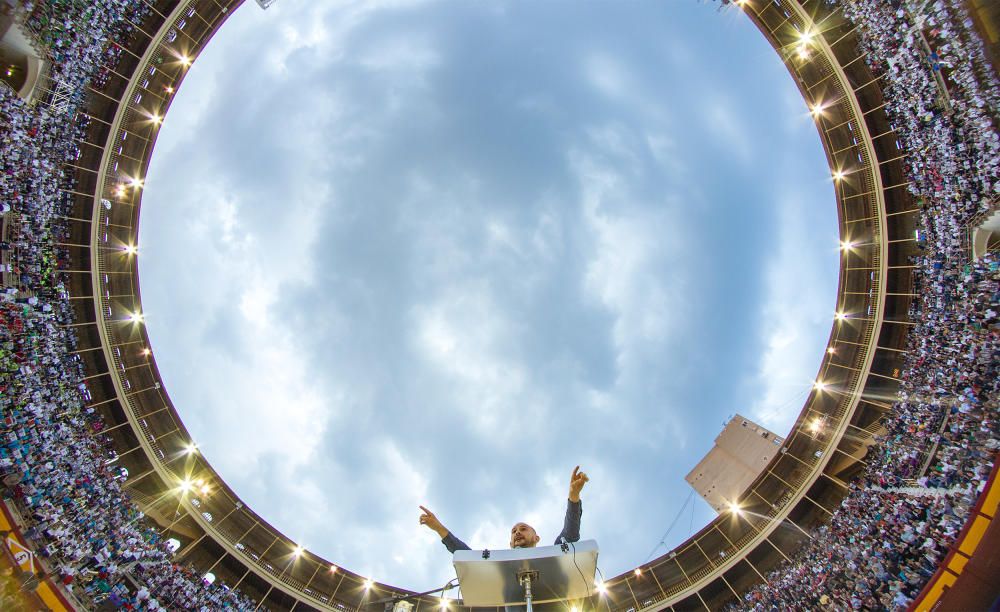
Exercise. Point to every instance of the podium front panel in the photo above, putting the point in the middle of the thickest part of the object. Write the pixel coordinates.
(493, 581)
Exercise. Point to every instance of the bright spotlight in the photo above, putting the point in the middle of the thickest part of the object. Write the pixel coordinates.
(135, 182)
(840, 315)
(145, 352)
(816, 425)
(205, 489)
(831, 350)
(443, 603)
(819, 385)
(169, 89)
(131, 249)
(186, 486)
(191, 449)
(333, 569)
(838, 175)
(601, 588)
(136, 317)
(817, 109)
(185, 60)
(369, 583)
(803, 52)
(156, 119)
(638, 571)
(735, 508)
(298, 551)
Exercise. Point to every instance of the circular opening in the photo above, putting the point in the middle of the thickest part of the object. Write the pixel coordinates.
(430, 234)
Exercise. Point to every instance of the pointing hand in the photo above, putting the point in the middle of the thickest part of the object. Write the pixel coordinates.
(576, 482)
(428, 518)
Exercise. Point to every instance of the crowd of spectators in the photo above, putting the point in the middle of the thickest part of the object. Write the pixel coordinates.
(60, 470)
(895, 526)
(884, 542)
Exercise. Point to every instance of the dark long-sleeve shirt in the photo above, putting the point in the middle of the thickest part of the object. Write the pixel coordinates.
(570, 531)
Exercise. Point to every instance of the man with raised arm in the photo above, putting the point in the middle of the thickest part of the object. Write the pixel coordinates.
(523, 535)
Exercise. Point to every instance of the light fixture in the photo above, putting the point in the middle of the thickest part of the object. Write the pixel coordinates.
(156, 119)
(136, 317)
(131, 249)
(840, 316)
(816, 425)
(443, 603)
(333, 569)
(298, 551)
(368, 584)
(135, 182)
(831, 350)
(817, 109)
(191, 449)
(601, 587)
(638, 571)
(205, 489)
(169, 89)
(185, 60)
(186, 485)
(146, 352)
(819, 385)
(838, 175)
(803, 52)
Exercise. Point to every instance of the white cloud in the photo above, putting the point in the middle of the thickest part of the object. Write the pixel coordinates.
(797, 315)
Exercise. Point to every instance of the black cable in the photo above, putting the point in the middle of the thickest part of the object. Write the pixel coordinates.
(580, 571)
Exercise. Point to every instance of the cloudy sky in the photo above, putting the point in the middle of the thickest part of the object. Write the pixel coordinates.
(439, 252)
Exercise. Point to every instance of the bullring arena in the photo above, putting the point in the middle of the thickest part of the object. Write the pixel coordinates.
(882, 495)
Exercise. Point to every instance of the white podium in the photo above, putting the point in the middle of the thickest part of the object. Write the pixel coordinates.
(523, 576)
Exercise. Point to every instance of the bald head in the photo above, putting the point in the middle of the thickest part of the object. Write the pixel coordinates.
(522, 535)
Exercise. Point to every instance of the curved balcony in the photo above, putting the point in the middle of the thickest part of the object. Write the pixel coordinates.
(797, 491)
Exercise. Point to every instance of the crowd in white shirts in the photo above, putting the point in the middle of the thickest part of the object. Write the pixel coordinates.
(925, 473)
(57, 467)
